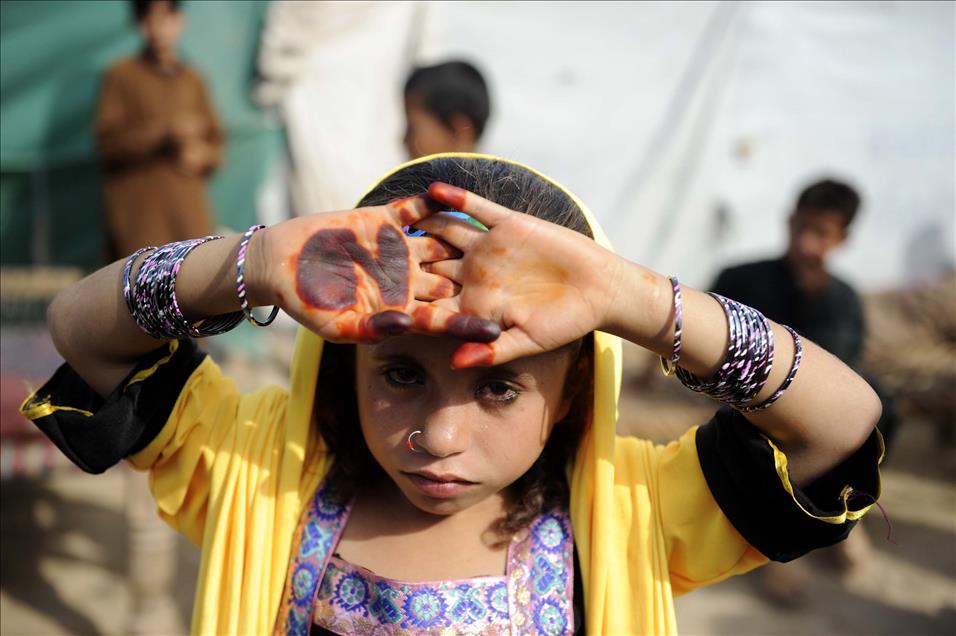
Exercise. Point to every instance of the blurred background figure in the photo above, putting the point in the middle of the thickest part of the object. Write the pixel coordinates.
(446, 108)
(799, 290)
(158, 138)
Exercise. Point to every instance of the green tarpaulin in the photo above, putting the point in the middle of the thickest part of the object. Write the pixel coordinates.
(52, 55)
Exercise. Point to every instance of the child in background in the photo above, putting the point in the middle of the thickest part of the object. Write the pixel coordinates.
(450, 465)
(157, 137)
(446, 109)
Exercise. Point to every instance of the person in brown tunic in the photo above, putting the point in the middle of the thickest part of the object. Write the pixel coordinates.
(158, 139)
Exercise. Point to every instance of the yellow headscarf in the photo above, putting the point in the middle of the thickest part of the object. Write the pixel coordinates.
(592, 476)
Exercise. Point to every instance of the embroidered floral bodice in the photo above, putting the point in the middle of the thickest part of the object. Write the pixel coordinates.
(533, 597)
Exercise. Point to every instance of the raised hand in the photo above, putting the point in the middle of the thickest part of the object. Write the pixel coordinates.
(544, 284)
(355, 276)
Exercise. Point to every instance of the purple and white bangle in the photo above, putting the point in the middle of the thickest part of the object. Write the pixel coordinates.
(151, 298)
(127, 290)
(794, 366)
(669, 366)
(241, 280)
(749, 360)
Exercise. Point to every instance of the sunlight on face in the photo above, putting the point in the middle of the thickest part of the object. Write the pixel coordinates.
(481, 428)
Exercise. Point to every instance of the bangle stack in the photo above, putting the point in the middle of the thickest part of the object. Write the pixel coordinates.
(749, 360)
(151, 299)
(151, 295)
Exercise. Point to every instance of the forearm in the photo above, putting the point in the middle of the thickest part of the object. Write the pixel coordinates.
(93, 330)
(826, 413)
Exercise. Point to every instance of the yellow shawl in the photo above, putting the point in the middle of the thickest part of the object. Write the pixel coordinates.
(233, 472)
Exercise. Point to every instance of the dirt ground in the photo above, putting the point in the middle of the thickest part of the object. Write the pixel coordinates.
(63, 568)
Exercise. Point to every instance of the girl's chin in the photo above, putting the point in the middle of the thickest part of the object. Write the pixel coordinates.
(442, 506)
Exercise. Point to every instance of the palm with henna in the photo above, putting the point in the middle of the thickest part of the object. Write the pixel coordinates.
(355, 276)
(351, 276)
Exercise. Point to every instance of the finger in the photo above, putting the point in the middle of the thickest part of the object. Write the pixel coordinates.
(430, 287)
(411, 210)
(354, 327)
(435, 320)
(510, 345)
(458, 232)
(489, 213)
(452, 270)
(425, 249)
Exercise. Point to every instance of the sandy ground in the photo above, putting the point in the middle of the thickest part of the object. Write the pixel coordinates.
(64, 549)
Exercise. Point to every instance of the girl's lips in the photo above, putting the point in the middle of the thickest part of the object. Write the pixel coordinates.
(438, 486)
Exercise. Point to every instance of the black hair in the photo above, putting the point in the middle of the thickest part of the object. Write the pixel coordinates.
(830, 195)
(141, 7)
(449, 89)
(544, 486)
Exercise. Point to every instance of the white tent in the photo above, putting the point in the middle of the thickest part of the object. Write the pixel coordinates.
(688, 128)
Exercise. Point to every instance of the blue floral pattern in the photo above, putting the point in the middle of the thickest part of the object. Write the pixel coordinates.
(424, 607)
(549, 618)
(497, 596)
(351, 593)
(546, 575)
(549, 532)
(534, 597)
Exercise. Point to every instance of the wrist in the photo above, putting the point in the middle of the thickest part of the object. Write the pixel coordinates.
(641, 308)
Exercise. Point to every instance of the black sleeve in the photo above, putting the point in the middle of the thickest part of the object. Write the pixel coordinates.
(95, 433)
(738, 464)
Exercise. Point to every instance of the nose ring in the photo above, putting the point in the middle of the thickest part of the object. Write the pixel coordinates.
(410, 444)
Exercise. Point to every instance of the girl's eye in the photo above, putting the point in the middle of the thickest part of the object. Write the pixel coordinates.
(497, 392)
(403, 377)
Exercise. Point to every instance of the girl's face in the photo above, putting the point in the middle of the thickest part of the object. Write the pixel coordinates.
(481, 429)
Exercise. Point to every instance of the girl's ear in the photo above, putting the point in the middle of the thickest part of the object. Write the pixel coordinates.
(575, 384)
(565, 408)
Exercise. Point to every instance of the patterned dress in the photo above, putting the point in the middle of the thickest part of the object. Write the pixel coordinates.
(324, 593)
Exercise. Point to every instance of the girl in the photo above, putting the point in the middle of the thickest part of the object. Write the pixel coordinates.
(456, 470)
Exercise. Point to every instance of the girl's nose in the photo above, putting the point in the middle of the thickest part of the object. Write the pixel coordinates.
(446, 432)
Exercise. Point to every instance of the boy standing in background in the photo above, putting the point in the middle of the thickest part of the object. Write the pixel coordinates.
(157, 137)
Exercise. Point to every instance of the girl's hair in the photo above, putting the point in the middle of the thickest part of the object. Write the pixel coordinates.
(544, 486)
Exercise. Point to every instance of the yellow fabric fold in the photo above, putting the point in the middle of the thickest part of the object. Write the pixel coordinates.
(35, 410)
(145, 373)
(783, 472)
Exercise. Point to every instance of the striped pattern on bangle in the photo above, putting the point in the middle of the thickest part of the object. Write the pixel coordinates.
(241, 280)
(669, 366)
(748, 362)
(794, 366)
